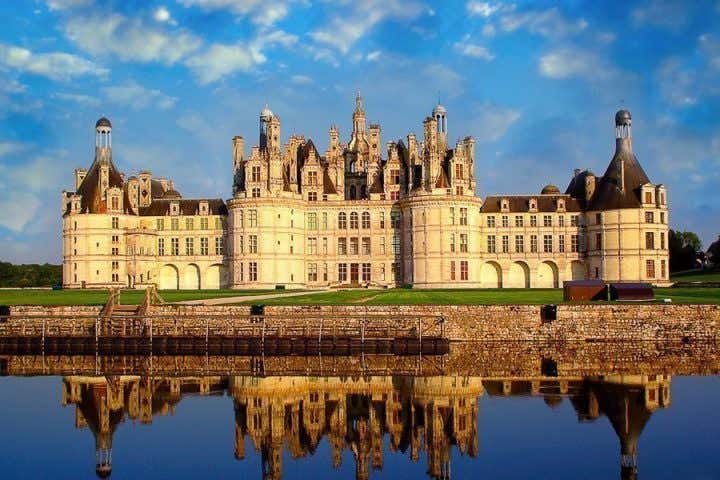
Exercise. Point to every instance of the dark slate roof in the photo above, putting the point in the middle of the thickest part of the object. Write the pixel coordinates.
(91, 201)
(549, 190)
(576, 187)
(103, 122)
(608, 195)
(377, 186)
(216, 206)
(172, 194)
(521, 203)
(328, 185)
(156, 189)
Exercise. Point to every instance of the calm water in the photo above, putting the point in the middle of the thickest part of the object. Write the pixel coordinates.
(395, 427)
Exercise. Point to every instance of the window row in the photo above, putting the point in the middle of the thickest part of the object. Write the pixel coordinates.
(191, 247)
(519, 220)
(549, 244)
(189, 223)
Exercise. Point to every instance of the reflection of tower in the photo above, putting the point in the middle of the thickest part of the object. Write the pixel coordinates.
(628, 402)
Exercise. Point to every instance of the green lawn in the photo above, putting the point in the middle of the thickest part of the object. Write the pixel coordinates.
(472, 297)
(696, 276)
(99, 297)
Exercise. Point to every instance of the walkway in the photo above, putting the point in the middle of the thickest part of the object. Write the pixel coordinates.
(244, 298)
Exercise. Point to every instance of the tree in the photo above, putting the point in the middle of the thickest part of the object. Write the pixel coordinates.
(684, 247)
(714, 252)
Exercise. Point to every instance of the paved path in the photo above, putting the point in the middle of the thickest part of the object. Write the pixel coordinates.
(244, 298)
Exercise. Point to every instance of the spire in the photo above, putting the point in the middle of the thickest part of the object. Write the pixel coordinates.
(358, 103)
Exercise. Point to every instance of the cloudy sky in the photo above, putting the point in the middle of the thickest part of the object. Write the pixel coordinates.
(536, 84)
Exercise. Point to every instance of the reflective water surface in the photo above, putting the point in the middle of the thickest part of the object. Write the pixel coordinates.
(355, 424)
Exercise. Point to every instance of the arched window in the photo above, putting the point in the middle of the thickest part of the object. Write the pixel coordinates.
(366, 220)
(353, 192)
(342, 220)
(363, 191)
(354, 220)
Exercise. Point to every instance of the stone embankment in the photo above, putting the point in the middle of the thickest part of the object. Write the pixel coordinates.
(563, 323)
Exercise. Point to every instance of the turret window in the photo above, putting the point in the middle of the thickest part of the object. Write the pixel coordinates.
(255, 174)
(649, 217)
(648, 197)
(649, 240)
(650, 268)
(313, 178)
(463, 216)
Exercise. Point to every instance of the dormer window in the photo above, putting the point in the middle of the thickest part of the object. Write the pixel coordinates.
(174, 208)
(204, 208)
(504, 205)
(561, 204)
(533, 205)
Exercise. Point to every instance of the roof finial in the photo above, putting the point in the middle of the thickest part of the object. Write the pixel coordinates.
(358, 101)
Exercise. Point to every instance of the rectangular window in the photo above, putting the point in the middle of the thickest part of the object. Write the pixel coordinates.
(452, 270)
(252, 244)
(253, 271)
(203, 223)
(255, 173)
(204, 250)
(650, 268)
(189, 246)
(573, 220)
(459, 173)
(366, 246)
(463, 270)
(354, 245)
(325, 246)
(174, 224)
(533, 244)
(533, 220)
(189, 224)
(312, 272)
(366, 220)
(547, 243)
(561, 243)
(518, 220)
(312, 246)
(519, 244)
(161, 246)
(505, 244)
(312, 178)
(219, 224)
(649, 240)
(452, 215)
(561, 220)
(395, 177)
(219, 246)
(649, 217)
(505, 221)
(463, 242)
(491, 221)
(463, 216)
(342, 272)
(663, 269)
(395, 219)
(115, 239)
(175, 246)
(366, 272)
(342, 246)
(598, 218)
(312, 196)
(452, 242)
(354, 220)
(574, 245)
(160, 224)
(324, 221)
(547, 220)
(312, 220)
(662, 241)
(662, 217)
(115, 222)
(396, 244)
(648, 198)
(598, 241)
(241, 244)
(491, 243)
(252, 218)
(382, 219)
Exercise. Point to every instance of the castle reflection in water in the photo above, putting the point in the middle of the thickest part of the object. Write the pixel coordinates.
(421, 415)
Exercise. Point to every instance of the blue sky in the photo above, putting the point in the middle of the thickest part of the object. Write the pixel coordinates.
(536, 83)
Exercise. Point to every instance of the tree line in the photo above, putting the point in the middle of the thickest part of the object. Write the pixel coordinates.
(30, 275)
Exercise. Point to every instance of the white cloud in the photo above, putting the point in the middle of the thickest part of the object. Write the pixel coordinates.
(53, 65)
(482, 9)
(490, 122)
(301, 79)
(373, 56)
(671, 14)
(261, 12)
(11, 148)
(79, 98)
(162, 15)
(321, 54)
(137, 97)
(221, 60)
(343, 30)
(710, 47)
(684, 81)
(575, 62)
(547, 23)
(464, 47)
(66, 4)
(488, 30)
(17, 208)
(130, 39)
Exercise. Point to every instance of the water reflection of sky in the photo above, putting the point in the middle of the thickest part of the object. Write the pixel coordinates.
(519, 437)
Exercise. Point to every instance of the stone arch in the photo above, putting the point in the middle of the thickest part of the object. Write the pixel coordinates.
(214, 277)
(578, 270)
(518, 275)
(169, 278)
(547, 275)
(190, 278)
(490, 275)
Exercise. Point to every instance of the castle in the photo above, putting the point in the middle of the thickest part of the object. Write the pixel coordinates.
(351, 217)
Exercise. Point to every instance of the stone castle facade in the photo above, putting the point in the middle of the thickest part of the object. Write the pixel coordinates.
(358, 215)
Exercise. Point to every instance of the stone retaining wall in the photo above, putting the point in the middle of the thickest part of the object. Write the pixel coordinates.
(619, 322)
